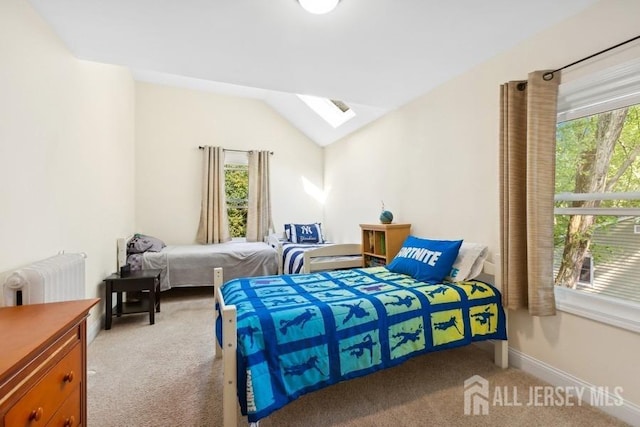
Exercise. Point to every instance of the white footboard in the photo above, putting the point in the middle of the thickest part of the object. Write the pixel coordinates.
(227, 351)
(275, 242)
(332, 257)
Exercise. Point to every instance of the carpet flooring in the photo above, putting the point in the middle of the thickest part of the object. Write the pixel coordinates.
(166, 375)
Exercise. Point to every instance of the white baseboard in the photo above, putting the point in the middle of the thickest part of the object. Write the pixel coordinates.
(628, 412)
(93, 328)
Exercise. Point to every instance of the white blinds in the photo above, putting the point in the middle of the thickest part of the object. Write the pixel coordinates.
(611, 88)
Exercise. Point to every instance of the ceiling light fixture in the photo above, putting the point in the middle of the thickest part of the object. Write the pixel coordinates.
(318, 7)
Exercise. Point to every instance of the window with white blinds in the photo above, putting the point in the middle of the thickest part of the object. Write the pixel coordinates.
(597, 213)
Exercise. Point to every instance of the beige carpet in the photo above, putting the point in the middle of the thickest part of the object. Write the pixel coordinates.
(165, 375)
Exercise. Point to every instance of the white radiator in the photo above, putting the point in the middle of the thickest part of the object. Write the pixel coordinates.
(59, 278)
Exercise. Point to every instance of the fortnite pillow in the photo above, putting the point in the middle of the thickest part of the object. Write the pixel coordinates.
(304, 233)
(425, 260)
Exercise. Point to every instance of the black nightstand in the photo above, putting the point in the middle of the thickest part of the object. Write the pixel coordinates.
(145, 281)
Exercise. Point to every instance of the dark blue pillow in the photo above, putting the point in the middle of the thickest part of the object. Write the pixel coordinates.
(424, 259)
(304, 233)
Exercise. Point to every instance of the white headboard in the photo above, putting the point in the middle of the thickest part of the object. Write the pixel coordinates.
(492, 268)
(121, 251)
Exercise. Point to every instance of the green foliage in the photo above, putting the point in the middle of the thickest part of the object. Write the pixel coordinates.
(237, 192)
(575, 141)
(572, 139)
(575, 137)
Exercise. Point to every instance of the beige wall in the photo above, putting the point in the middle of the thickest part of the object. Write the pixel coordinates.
(170, 125)
(66, 148)
(68, 182)
(434, 162)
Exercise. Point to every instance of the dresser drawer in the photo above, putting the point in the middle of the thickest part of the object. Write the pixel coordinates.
(69, 413)
(39, 404)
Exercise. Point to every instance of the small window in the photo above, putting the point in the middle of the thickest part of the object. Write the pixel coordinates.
(236, 174)
(334, 112)
(586, 272)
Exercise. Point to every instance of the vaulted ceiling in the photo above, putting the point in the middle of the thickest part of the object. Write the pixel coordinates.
(375, 55)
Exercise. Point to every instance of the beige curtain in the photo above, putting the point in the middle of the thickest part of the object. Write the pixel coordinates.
(214, 224)
(527, 179)
(259, 221)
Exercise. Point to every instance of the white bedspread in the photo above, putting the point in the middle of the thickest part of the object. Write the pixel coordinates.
(192, 265)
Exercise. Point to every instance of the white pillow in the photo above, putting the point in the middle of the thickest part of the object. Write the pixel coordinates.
(468, 264)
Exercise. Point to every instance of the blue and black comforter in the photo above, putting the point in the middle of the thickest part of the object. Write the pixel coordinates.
(299, 333)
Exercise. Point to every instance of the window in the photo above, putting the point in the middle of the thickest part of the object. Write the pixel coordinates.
(597, 251)
(597, 171)
(586, 272)
(236, 174)
(332, 111)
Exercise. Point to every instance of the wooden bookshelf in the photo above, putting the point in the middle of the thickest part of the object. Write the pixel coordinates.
(381, 242)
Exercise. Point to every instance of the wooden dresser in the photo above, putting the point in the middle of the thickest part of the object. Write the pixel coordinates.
(43, 364)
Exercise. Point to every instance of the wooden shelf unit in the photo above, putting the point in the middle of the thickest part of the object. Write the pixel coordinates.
(381, 242)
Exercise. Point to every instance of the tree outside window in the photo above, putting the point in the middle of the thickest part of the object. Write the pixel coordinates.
(237, 192)
(598, 173)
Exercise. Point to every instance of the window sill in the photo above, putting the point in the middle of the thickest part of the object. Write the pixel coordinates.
(612, 311)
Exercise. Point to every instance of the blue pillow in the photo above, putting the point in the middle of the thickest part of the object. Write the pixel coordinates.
(424, 259)
(304, 233)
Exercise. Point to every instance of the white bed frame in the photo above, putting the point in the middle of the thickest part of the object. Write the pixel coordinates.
(121, 251)
(333, 257)
(275, 241)
(318, 259)
(227, 351)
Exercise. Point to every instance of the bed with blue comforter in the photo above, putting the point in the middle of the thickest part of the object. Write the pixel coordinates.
(300, 333)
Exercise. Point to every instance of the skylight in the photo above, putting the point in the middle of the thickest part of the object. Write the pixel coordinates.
(333, 112)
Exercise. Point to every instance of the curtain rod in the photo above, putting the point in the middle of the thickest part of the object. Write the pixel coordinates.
(549, 75)
(201, 147)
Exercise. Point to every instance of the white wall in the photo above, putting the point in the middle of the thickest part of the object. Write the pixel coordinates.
(66, 149)
(170, 125)
(435, 164)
